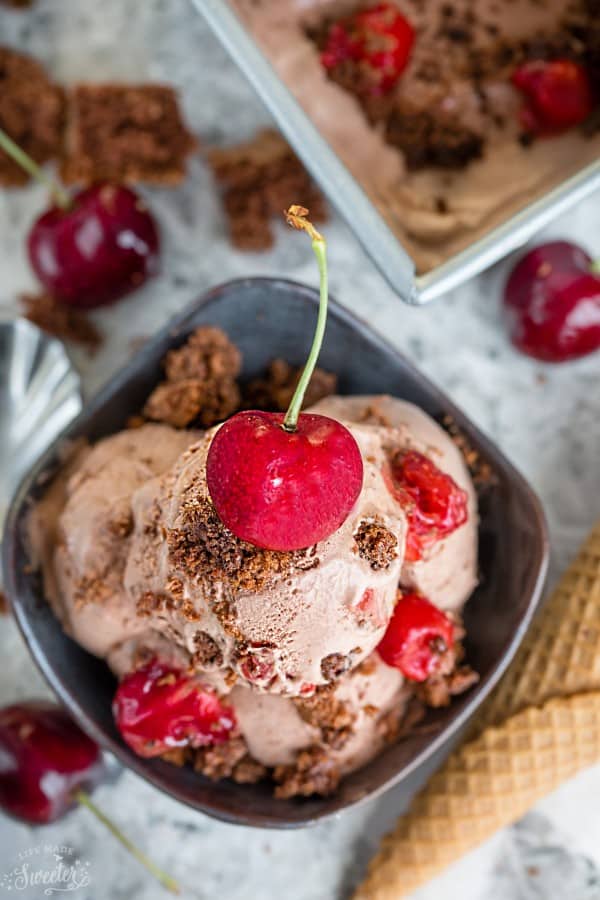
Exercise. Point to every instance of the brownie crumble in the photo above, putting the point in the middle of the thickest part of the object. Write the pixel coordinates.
(207, 653)
(4, 607)
(313, 772)
(259, 179)
(431, 140)
(31, 112)
(61, 321)
(275, 390)
(334, 718)
(125, 133)
(376, 544)
(200, 384)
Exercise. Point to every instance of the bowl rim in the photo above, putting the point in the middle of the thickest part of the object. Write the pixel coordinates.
(176, 326)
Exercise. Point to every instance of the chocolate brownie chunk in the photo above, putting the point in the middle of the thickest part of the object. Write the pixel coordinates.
(376, 544)
(60, 321)
(261, 178)
(126, 133)
(31, 113)
(313, 772)
(428, 140)
(275, 390)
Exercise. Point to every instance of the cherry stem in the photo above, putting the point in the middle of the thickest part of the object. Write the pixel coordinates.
(595, 267)
(296, 217)
(169, 883)
(23, 159)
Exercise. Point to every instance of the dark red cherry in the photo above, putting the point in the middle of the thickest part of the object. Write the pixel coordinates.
(103, 246)
(552, 303)
(44, 759)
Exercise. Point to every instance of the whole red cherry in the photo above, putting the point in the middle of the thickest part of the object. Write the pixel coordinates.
(44, 758)
(417, 637)
(283, 490)
(157, 708)
(285, 482)
(103, 245)
(558, 95)
(377, 40)
(552, 303)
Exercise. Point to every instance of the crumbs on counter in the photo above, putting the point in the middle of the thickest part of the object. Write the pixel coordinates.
(32, 112)
(61, 321)
(260, 178)
(125, 133)
(4, 607)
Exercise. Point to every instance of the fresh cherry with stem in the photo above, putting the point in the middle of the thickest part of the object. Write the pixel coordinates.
(48, 765)
(552, 302)
(285, 482)
(93, 248)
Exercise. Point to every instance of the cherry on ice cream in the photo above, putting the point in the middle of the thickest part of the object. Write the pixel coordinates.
(158, 708)
(552, 303)
(378, 40)
(286, 482)
(558, 95)
(417, 637)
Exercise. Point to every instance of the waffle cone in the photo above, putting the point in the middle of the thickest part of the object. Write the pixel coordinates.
(539, 728)
(484, 786)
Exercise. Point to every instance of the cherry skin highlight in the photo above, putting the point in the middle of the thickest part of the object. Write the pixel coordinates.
(558, 95)
(103, 246)
(552, 303)
(283, 490)
(158, 708)
(44, 759)
(378, 40)
(417, 637)
(435, 505)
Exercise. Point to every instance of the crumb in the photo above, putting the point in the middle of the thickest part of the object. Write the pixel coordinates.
(207, 653)
(376, 544)
(313, 772)
(200, 385)
(219, 760)
(333, 717)
(260, 179)
(481, 471)
(274, 392)
(125, 133)
(428, 140)
(61, 321)
(335, 665)
(31, 112)
(4, 607)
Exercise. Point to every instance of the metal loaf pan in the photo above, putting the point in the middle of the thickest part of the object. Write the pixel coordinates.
(353, 204)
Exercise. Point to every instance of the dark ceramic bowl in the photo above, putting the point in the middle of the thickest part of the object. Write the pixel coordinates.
(267, 318)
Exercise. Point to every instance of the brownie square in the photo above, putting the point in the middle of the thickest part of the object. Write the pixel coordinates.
(125, 133)
(31, 112)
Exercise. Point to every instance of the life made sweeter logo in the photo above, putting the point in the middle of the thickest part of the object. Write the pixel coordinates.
(48, 869)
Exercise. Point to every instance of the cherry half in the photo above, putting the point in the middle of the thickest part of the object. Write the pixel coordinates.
(558, 95)
(377, 41)
(434, 504)
(286, 482)
(417, 637)
(552, 303)
(158, 708)
(48, 765)
(93, 248)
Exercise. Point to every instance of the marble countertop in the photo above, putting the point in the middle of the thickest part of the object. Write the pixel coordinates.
(547, 420)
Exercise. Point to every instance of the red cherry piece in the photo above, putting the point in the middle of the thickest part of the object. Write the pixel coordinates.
(378, 40)
(558, 95)
(44, 758)
(552, 303)
(283, 490)
(96, 251)
(434, 504)
(417, 637)
(258, 666)
(157, 708)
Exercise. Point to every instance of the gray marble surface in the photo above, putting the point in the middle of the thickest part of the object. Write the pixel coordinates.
(546, 419)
